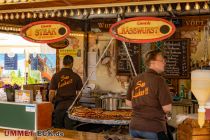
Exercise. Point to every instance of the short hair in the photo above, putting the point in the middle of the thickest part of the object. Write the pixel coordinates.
(67, 60)
(151, 55)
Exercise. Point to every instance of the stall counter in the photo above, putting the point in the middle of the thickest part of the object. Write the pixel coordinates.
(26, 116)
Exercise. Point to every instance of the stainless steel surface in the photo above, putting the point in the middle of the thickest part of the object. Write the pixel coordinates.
(110, 103)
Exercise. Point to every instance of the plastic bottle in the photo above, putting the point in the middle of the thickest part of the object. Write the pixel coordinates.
(181, 94)
(38, 97)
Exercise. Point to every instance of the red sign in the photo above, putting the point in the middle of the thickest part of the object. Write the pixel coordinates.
(60, 44)
(45, 31)
(142, 29)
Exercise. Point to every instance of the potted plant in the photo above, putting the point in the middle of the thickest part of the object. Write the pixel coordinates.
(10, 91)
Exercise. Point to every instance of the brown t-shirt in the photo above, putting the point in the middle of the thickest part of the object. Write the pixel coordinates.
(66, 82)
(148, 93)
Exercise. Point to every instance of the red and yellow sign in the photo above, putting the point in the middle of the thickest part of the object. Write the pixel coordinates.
(60, 44)
(142, 29)
(45, 31)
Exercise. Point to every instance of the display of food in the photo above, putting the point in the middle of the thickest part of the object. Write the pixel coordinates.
(99, 113)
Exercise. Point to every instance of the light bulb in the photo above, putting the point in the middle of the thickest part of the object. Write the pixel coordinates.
(178, 7)
(206, 6)
(136, 10)
(187, 7)
(152, 9)
(170, 8)
(128, 9)
(106, 11)
(161, 9)
(197, 6)
(144, 9)
(65, 14)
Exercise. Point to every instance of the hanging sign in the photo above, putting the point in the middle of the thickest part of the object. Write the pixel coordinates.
(142, 29)
(45, 31)
(60, 44)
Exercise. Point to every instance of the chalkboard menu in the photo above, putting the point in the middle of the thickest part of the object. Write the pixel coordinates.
(177, 53)
(123, 64)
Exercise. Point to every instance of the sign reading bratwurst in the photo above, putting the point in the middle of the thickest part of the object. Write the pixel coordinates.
(45, 31)
(142, 29)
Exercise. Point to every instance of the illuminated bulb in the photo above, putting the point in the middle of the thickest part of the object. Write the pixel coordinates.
(187, 7)
(144, 9)
(40, 15)
(169, 8)
(178, 7)
(85, 12)
(206, 6)
(128, 9)
(161, 9)
(92, 12)
(53, 14)
(113, 11)
(46, 14)
(197, 6)
(65, 14)
(6, 17)
(78, 12)
(58, 14)
(28, 15)
(22, 16)
(153, 9)
(34, 15)
(99, 11)
(17, 16)
(120, 11)
(72, 13)
(12, 16)
(1, 17)
(136, 10)
(106, 11)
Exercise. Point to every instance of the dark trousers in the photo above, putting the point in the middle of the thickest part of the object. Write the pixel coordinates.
(61, 120)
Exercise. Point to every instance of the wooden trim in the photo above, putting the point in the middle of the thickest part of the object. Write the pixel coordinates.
(102, 5)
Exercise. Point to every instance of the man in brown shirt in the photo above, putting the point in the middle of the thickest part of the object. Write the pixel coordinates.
(148, 94)
(66, 83)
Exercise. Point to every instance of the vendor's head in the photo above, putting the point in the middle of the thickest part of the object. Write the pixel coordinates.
(68, 61)
(155, 60)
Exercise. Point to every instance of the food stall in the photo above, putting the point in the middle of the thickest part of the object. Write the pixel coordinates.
(90, 38)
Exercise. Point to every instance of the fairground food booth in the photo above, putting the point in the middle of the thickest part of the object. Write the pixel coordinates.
(105, 58)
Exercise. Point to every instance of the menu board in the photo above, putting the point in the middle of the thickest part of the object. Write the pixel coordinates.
(177, 53)
(123, 64)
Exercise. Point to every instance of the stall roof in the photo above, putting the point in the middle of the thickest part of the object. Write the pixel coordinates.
(55, 3)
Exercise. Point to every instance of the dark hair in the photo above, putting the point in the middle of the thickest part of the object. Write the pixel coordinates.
(151, 55)
(67, 60)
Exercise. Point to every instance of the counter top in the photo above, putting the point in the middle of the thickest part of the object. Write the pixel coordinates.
(70, 135)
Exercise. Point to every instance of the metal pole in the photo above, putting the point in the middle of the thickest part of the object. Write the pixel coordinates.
(69, 109)
(129, 57)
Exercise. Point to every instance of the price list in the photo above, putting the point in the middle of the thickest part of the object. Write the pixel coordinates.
(177, 58)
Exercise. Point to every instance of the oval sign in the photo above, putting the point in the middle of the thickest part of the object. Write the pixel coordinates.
(142, 29)
(60, 44)
(45, 31)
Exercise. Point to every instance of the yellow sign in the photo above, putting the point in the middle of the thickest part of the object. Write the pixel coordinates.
(142, 30)
(45, 31)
